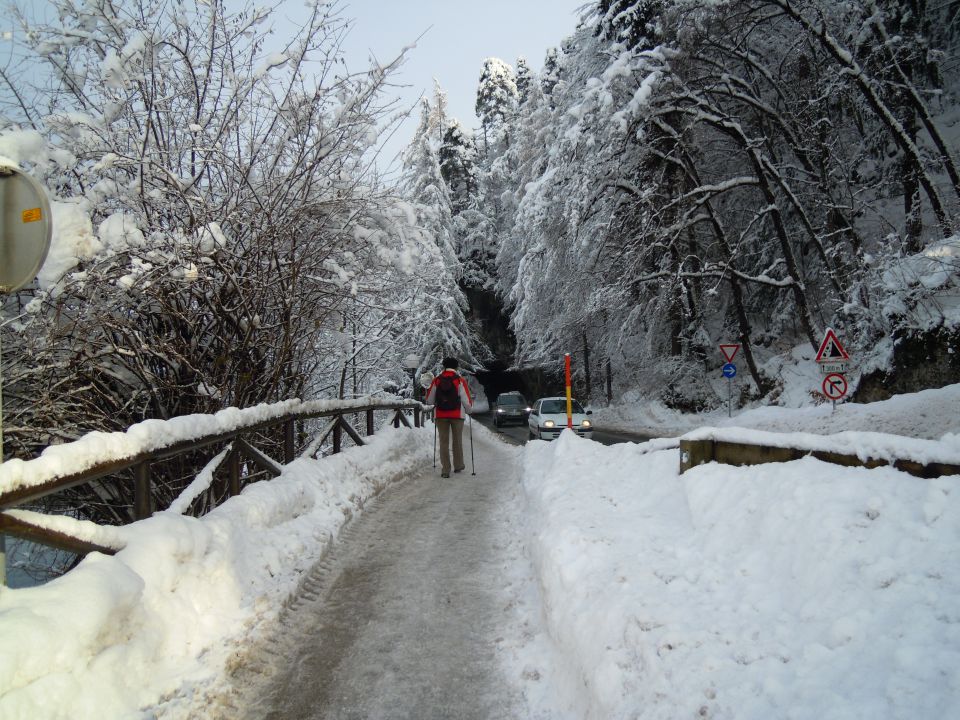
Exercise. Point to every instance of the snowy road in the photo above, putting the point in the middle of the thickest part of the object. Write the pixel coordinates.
(420, 610)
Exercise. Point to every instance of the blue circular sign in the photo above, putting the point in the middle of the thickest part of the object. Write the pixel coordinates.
(729, 370)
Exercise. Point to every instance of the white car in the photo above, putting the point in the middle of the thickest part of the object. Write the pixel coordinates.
(548, 418)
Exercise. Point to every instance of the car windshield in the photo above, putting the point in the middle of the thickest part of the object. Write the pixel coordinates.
(559, 406)
(510, 400)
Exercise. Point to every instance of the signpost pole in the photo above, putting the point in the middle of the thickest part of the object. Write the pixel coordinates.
(25, 231)
(729, 351)
(566, 366)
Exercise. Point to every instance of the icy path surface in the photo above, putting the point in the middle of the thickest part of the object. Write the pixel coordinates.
(424, 608)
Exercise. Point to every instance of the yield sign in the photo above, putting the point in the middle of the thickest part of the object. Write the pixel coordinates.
(830, 349)
(729, 351)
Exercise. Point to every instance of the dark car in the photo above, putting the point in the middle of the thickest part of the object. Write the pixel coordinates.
(510, 407)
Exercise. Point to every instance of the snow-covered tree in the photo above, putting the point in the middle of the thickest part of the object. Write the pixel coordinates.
(458, 164)
(706, 175)
(219, 239)
(439, 305)
(496, 102)
(524, 79)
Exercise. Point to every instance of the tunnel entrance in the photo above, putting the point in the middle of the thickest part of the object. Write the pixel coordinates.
(532, 383)
(489, 317)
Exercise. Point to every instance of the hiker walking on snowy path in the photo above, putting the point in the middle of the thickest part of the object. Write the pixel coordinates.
(450, 396)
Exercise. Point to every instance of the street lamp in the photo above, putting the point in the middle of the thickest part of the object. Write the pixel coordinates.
(410, 363)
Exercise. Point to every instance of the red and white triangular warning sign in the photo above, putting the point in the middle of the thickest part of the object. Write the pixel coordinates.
(729, 351)
(830, 349)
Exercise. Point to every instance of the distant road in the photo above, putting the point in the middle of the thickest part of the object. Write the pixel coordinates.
(518, 435)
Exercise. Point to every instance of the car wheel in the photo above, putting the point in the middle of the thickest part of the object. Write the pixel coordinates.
(532, 436)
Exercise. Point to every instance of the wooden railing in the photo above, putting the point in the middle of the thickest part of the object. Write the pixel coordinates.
(58, 468)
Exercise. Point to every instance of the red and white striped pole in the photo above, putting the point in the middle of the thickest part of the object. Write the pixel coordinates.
(566, 365)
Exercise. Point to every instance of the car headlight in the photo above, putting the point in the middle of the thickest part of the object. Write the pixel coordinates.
(529, 409)
(499, 410)
(586, 424)
(549, 423)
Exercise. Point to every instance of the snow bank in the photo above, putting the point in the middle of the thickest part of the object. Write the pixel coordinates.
(926, 414)
(794, 590)
(118, 634)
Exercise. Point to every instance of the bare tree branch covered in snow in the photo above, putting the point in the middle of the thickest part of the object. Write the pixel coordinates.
(689, 173)
(221, 237)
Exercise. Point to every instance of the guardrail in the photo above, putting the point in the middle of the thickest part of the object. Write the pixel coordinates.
(722, 446)
(99, 455)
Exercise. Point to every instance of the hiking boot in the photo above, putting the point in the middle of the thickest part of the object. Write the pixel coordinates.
(458, 469)
(444, 475)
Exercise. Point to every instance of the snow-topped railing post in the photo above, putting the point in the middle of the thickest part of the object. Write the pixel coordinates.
(233, 473)
(338, 435)
(369, 422)
(289, 441)
(141, 491)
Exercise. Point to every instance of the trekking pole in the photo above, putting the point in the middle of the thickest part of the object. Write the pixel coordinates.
(434, 418)
(473, 465)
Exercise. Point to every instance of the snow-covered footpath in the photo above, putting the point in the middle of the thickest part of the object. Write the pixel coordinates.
(795, 590)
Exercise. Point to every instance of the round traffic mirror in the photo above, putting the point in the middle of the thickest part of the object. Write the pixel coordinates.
(25, 228)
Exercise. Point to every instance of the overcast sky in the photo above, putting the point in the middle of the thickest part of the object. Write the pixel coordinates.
(456, 38)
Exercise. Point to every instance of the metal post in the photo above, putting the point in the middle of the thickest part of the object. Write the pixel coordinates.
(729, 397)
(473, 465)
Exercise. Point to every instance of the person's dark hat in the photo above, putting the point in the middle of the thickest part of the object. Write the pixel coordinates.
(450, 363)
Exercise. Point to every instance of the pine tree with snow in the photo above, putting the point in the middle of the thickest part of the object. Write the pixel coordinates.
(497, 98)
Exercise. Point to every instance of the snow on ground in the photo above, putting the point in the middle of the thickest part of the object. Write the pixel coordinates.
(794, 590)
(158, 619)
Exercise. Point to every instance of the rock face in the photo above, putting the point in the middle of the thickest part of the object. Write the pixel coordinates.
(489, 320)
(920, 361)
(492, 324)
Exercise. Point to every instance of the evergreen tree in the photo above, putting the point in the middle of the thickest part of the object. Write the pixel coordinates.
(496, 101)
(550, 75)
(524, 80)
(458, 159)
(438, 303)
